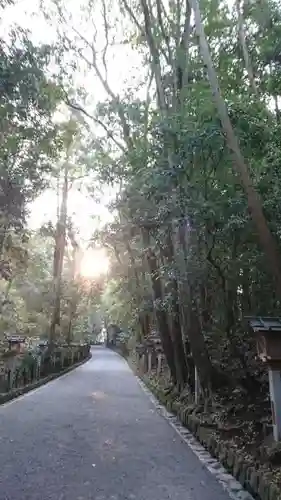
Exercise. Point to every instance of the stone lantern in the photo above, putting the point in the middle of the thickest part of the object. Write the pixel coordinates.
(267, 331)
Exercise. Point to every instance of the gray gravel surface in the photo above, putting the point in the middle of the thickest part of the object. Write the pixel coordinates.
(94, 434)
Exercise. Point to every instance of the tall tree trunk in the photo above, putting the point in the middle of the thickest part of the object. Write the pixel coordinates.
(74, 295)
(160, 313)
(143, 319)
(142, 334)
(240, 167)
(245, 297)
(59, 251)
(194, 332)
(176, 328)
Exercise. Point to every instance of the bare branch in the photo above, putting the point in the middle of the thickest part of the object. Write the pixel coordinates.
(133, 17)
(246, 56)
(178, 13)
(104, 81)
(182, 76)
(115, 98)
(168, 58)
(147, 102)
(94, 63)
(104, 15)
(155, 55)
(165, 12)
(82, 110)
(139, 26)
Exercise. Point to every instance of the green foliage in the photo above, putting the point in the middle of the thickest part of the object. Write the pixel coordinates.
(180, 207)
(177, 172)
(33, 148)
(29, 138)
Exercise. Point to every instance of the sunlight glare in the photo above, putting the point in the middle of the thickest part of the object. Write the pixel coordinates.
(94, 263)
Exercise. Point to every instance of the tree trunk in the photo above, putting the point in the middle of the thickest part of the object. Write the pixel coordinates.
(194, 332)
(246, 303)
(74, 296)
(160, 313)
(142, 315)
(254, 202)
(176, 328)
(59, 250)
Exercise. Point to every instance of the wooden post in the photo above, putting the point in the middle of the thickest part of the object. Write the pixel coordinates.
(149, 361)
(144, 362)
(197, 387)
(159, 364)
(2, 376)
(38, 368)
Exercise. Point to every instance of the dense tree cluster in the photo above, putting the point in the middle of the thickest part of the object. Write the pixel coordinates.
(190, 142)
(194, 145)
(196, 239)
(39, 275)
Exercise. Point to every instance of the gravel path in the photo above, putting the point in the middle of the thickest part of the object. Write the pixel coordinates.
(94, 434)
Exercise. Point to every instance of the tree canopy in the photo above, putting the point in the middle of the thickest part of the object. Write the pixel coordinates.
(191, 143)
(175, 106)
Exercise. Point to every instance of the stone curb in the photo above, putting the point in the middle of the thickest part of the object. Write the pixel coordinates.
(5, 398)
(233, 465)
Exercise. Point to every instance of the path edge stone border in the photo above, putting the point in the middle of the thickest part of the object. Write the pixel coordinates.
(239, 478)
(15, 393)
